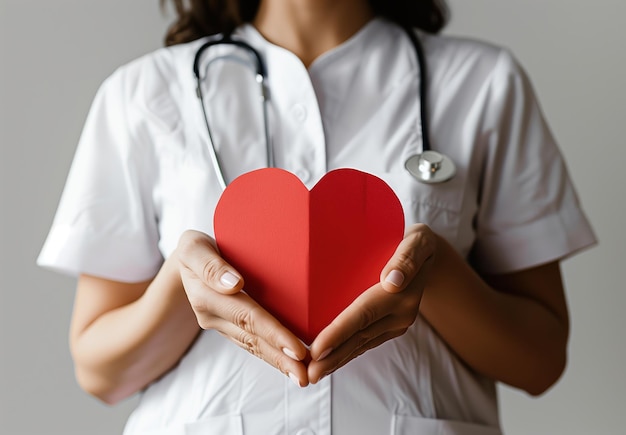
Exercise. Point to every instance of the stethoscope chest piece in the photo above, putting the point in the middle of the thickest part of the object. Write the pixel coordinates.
(430, 167)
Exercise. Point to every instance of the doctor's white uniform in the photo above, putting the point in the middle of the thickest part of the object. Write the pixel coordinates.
(142, 175)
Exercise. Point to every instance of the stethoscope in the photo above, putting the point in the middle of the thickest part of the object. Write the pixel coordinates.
(428, 167)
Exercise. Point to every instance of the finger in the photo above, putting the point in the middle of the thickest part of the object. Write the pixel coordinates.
(390, 326)
(197, 252)
(414, 250)
(257, 346)
(247, 315)
(367, 308)
(319, 369)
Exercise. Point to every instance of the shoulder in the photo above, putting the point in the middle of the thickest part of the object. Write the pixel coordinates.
(164, 65)
(461, 59)
(154, 85)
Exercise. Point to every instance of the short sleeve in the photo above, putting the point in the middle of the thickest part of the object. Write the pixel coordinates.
(529, 213)
(106, 223)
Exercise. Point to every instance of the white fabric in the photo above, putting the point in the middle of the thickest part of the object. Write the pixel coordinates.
(142, 175)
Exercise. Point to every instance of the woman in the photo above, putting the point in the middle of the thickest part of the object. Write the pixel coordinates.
(158, 310)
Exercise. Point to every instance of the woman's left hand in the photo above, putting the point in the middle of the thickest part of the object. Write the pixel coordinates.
(382, 312)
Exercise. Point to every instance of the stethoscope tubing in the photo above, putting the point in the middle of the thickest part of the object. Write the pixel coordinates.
(423, 87)
(427, 167)
(260, 77)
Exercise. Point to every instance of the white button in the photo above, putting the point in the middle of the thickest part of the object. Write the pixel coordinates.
(306, 431)
(299, 112)
(303, 175)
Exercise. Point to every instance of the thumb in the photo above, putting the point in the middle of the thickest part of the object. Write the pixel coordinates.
(198, 253)
(413, 251)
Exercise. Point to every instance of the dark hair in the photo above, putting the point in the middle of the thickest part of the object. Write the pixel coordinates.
(198, 18)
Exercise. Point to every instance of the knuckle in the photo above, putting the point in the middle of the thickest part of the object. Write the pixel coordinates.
(420, 227)
(244, 319)
(361, 338)
(188, 241)
(425, 238)
(199, 297)
(213, 269)
(198, 302)
(406, 262)
(278, 363)
(367, 316)
(249, 342)
(204, 318)
(205, 321)
(195, 300)
(422, 234)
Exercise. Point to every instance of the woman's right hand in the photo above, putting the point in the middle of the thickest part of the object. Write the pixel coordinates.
(214, 289)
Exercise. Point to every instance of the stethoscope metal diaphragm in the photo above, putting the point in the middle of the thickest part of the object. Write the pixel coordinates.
(430, 167)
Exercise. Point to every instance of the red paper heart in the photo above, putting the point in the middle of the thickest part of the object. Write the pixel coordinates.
(305, 256)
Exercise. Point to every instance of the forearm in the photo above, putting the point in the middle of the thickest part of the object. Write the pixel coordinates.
(126, 348)
(506, 336)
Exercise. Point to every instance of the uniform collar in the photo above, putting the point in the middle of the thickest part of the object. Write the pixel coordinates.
(356, 42)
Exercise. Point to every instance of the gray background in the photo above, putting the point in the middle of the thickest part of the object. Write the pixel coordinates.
(53, 56)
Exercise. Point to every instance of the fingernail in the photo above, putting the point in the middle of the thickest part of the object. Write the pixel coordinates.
(229, 280)
(395, 277)
(325, 354)
(294, 379)
(290, 353)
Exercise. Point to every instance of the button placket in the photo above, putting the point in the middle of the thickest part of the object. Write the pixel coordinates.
(299, 112)
(300, 141)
